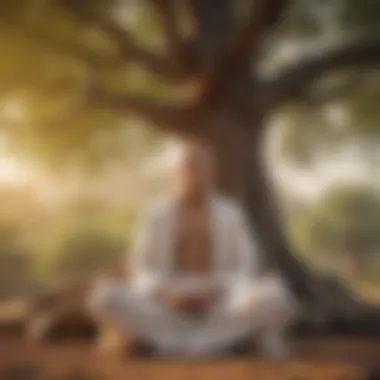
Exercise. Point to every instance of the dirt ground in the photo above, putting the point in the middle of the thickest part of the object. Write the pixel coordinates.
(323, 359)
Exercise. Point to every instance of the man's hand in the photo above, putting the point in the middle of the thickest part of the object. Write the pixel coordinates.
(171, 296)
(191, 302)
(201, 302)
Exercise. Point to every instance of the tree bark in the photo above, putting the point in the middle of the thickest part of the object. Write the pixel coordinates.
(328, 305)
(243, 175)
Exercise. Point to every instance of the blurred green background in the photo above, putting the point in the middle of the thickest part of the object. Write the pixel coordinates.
(74, 177)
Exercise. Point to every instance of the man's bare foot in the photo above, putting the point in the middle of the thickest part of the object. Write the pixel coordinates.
(113, 342)
(274, 345)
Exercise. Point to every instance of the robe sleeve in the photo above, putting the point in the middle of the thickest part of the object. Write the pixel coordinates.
(246, 249)
(144, 266)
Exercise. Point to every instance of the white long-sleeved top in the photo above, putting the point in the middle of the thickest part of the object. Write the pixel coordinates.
(235, 253)
(251, 303)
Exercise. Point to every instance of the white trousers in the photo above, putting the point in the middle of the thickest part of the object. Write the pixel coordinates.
(261, 307)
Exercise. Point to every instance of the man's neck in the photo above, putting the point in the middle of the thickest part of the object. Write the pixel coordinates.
(194, 198)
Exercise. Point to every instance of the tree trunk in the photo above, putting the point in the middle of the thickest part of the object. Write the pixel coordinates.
(243, 174)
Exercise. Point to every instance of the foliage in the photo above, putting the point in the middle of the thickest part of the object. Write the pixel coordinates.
(44, 115)
(81, 250)
(75, 72)
(43, 74)
(345, 223)
(308, 131)
(15, 275)
(41, 244)
(361, 15)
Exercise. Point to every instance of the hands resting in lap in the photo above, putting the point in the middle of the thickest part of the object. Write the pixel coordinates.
(191, 301)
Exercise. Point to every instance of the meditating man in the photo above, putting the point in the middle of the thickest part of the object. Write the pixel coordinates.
(196, 287)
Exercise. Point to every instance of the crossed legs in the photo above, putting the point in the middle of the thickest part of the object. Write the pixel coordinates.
(262, 308)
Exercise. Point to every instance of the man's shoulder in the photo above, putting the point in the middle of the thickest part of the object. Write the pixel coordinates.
(226, 204)
(229, 205)
(159, 206)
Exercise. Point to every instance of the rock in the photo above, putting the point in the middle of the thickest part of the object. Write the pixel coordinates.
(21, 372)
(62, 314)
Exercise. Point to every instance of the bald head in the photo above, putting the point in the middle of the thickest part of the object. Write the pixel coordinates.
(195, 168)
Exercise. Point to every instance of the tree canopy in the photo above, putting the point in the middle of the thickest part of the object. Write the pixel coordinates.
(344, 226)
(345, 105)
(76, 73)
(73, 74)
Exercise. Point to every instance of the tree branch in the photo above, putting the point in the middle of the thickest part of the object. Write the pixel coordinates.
(129, 49)
(243, 45)
(168, 12)
(295, 81)
(73, 50)
(212, 23)
(263, 18)
(163, 114)
(169, 116)
(356, 83)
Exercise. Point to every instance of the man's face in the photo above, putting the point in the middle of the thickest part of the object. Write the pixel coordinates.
(196, 170)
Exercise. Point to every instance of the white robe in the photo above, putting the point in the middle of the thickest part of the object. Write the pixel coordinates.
(251, 304)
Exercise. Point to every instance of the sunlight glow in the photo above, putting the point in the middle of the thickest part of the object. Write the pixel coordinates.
(13, 111)
(13, 171)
